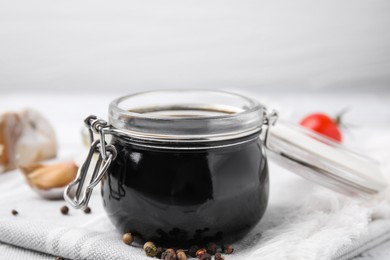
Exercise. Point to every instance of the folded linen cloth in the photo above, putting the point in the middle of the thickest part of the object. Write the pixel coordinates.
(378, 234)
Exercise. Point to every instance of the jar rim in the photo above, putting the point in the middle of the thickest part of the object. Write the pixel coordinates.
(194, 115)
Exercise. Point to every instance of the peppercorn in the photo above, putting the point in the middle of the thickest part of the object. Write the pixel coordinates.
(160, 251)
(218, 256)
(150, 249)
(64, 210)
(200, 252)
(87, 210)
(206, 256)
(168, 256)
(212, 248)
(127, 238)
(14, 212)
(181, 255)
(192, 250)
(172, 251)
(228, 249)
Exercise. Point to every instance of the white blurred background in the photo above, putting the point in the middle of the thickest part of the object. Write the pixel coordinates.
(127, 46)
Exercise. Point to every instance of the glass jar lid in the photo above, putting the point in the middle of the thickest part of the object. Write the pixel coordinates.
(323, 161)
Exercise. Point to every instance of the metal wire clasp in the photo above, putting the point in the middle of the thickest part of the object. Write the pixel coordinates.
(270, 119)
(78, 192)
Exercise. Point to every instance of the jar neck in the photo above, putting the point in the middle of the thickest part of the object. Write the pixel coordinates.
(183, 145)
(188, 116)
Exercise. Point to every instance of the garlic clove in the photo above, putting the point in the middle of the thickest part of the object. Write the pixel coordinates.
(46, 177)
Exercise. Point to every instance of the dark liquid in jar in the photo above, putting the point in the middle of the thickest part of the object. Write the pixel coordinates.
(186, 197)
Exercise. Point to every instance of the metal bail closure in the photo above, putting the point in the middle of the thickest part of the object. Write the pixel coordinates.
(321, 160)
(78, 192)
(269, 121)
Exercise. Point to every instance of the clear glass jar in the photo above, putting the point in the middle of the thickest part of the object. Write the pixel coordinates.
(190, 168)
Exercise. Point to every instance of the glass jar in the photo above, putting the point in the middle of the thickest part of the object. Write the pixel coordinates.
(193, 171)
(189, 167)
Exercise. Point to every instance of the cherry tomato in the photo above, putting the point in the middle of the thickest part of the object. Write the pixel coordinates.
(324, 125)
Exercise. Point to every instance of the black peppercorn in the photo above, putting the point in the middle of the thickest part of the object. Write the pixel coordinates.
(64, 210)
(159, 252)
(87, 210)
(150, 249)
(218, 256)
(181, 255)
(212, 248)
(14, 212)
(228, 249)
(200, 253)
(128, 238)
(172, 251)
(206, 256)
(179, 250)
(168, 256)
(192, 250)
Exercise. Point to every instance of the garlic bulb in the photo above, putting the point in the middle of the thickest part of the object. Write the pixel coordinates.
(25, 137)
(10, 132)
(38, 141)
